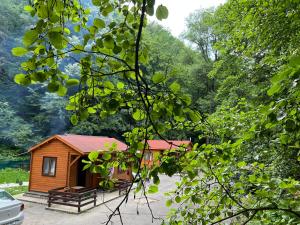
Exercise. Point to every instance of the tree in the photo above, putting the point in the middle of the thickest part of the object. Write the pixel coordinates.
(14, 131)
(200, 34)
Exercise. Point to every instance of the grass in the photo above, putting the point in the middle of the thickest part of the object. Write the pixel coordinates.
(16, 190)
(10, 175)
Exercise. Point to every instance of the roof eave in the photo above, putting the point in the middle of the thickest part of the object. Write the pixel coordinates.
(59, 138)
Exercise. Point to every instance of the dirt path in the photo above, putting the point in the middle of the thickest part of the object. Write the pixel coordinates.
(135, 212)
(9, 185)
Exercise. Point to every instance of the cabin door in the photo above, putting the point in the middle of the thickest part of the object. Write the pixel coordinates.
(81, 179)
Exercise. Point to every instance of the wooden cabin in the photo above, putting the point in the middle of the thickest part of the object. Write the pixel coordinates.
(155, 149)
(57, 162)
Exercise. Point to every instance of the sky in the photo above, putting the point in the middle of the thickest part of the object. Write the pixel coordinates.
(180, 9)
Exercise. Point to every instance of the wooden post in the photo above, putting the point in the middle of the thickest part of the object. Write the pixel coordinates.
(49, 200)
(68, 170)
(79, 203)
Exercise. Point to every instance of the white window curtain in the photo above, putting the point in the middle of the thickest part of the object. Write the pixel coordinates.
(49, 166)
(52, 167)
(46, 166)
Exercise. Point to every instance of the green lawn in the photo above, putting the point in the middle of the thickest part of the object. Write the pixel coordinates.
(10, 175)
(16, 190)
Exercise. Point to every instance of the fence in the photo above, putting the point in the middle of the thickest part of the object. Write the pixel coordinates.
(22, 164)
(77, 199)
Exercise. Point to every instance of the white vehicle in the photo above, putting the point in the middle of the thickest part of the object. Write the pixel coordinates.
(11, 210)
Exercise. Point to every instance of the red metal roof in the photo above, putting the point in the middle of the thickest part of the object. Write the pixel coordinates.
(166, 145)
(86, 144)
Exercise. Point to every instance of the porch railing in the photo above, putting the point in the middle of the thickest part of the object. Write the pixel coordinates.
(122, 186)
(80, 198)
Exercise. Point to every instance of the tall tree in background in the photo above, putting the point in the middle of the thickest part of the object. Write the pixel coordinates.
(201, 35)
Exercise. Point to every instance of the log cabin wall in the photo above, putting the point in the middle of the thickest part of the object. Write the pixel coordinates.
(122, 175)
(54, 148)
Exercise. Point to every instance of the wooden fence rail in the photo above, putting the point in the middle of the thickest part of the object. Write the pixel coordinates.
(80, 198)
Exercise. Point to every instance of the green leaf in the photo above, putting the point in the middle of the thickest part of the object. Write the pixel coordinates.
(53, 86)
(22, 79)
(29, 65)
(175, 87)
(279, 77)
(19, 51)
(108, 42)
(150, 7)
(252, 178)
(57, 40)
(30, 37)
(39, 76)
(274, 89)
(120, 85)
(162, 12)
(158, 77)
(96, 2)
(62, 90)
(108, 84)
(156, 180)
(84, 114)
(117, 49)
(177, 199)
(108, 9)
(93, 156)
(99, 23)
(74, 119)
(28, 8)
(86, 166)
(91, 110)
(150, 10)
(77, 28)
(72, 82)
(169, 202)
(151, 2)
(153, 189)
(295, 61)
(106, 156)
(113, 104)
(241, 164)
(40, 50)
(195, 116)
(139, 115)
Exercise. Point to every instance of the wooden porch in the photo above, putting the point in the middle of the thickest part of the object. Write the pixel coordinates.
(76, 176)
(79, 197)
(74, 197)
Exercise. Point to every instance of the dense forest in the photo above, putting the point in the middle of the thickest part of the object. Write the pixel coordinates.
(230, 83)
(32, 113)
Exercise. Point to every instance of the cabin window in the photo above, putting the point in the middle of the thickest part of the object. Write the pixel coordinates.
(49, 166)
(148, 156)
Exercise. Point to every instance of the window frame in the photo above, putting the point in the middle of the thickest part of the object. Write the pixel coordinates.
(45, 174)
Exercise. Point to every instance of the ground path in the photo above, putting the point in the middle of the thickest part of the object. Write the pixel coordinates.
(36, 214)
(9, 185)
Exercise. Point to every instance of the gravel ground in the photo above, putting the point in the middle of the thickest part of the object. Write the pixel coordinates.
(8, 185)
(36, 214)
